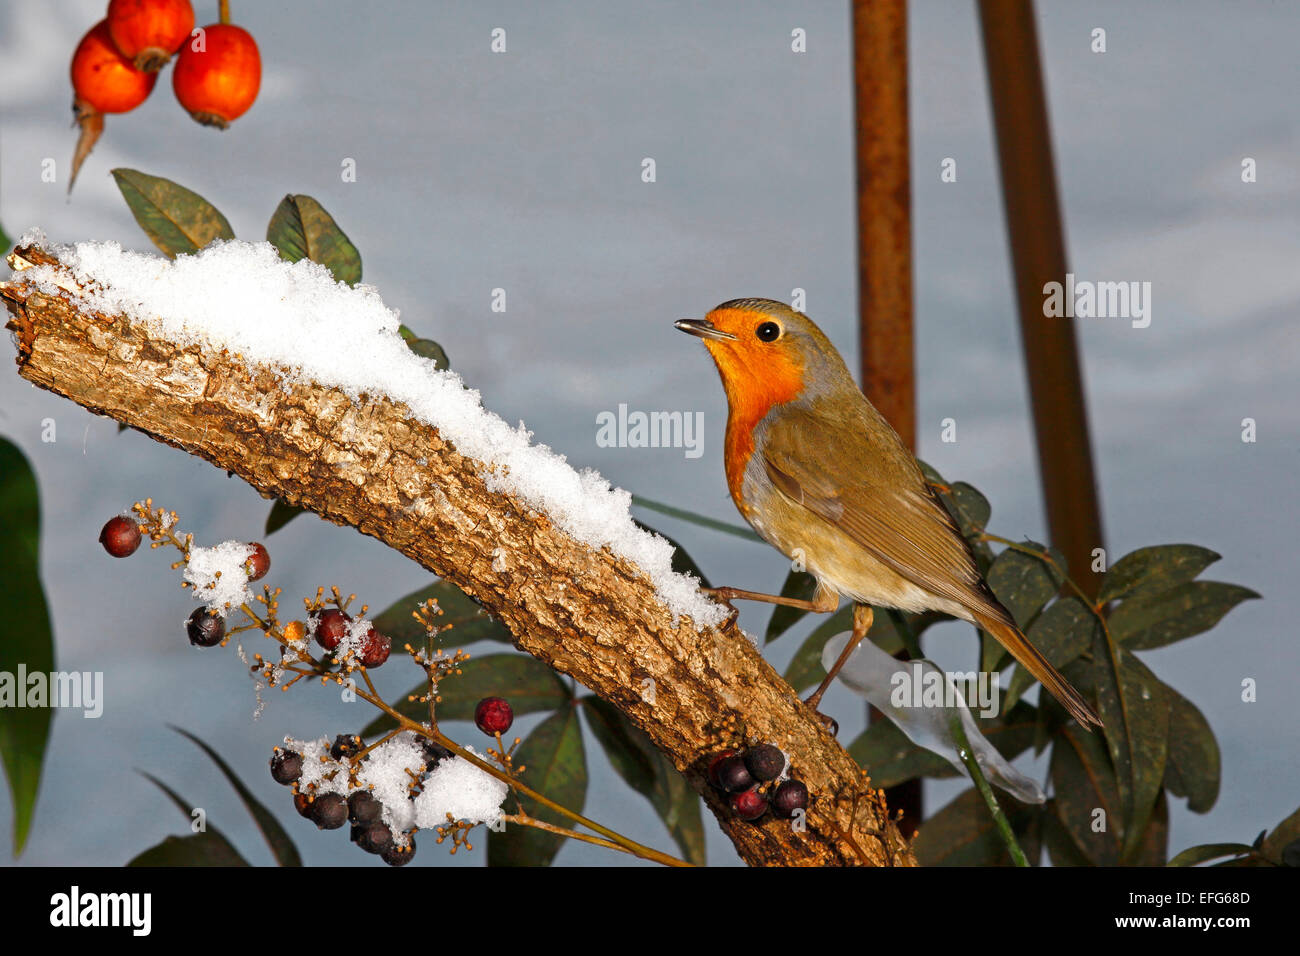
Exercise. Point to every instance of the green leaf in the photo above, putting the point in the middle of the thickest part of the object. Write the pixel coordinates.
(1193, 767)
(281, 514)
(1135, 710)
(1061, 848)
(963, 833)
(1061, 633)
(1084, 783)
(554, 766)
(1187, 609)
(26, 637)
(1280, 838)
(177, 220)
(1195, 855)
(889, 757)
(1153, 848)
(300, 228)
(6, 243)
(426, 348)
(526, 682)
(800, 585)
(693, 518)
(682, 562)
(973, 508)
(462, 621)
(1023, 582)
(217, 849)
(282, 848)
(968, 508)
(649, 772)
(196, 849)
(184, 806)
(1155, 569)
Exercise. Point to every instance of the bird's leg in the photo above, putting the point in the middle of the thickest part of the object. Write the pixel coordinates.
(862, 618)
(823, 602)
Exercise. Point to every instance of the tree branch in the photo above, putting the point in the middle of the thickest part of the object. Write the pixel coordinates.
(372, 466)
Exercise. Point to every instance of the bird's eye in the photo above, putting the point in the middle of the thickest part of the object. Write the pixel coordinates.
(768, 332)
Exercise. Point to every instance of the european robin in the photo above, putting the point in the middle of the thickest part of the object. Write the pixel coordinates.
(820, 475)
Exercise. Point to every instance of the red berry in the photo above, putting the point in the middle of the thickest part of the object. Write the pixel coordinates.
(120, 536)
(204, 628)
(148, 32)
(493, 716)
(374, 648)
(765, 762)
(257, 563)
(331, 627)
(286, 766)
(749, 804)
(218, 74)
(790, 797)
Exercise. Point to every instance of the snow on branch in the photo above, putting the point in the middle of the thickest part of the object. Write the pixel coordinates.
(303, 387)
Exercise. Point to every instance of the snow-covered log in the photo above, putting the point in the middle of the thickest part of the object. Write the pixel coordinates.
(302, 387)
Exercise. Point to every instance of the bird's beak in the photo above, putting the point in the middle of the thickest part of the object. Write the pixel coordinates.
(703, 328)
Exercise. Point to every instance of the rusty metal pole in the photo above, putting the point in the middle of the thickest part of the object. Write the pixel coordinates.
(1038, 255)
(885, 245)
(884, 211)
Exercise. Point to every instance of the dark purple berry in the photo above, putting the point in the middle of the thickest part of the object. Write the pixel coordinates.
(363, 808)
(204, 628)
(493, 716)
(749, 804)
(434, 753)
(789, 798)
(286, 766)
(374, 648)
(395, 855)
(733, 775)
(329, 811)
(331, 627)
(374, 838)
(257, 563)
(120, 536)
(302, 803)
(345, 745)
(765, 762)
(714, 764)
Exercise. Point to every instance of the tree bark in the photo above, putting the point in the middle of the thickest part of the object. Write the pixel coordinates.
(372, 466)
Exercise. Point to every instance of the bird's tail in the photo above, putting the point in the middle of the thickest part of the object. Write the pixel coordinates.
(1010, 637)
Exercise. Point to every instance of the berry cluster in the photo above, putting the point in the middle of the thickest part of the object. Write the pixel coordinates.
(343, 767)
(217, 77)
(755, 781)
(394, 787)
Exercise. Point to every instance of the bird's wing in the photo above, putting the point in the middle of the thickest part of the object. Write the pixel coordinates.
(873, 491)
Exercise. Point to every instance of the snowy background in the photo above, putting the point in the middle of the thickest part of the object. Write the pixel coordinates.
(522, 171)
